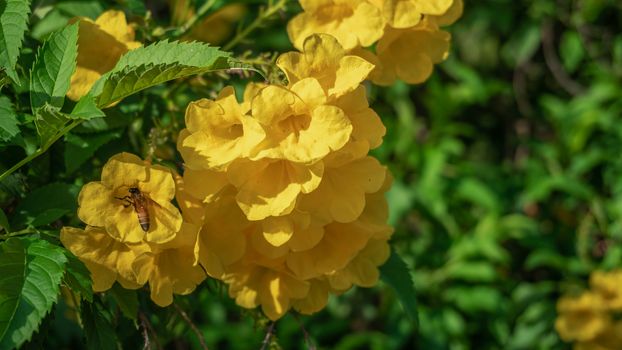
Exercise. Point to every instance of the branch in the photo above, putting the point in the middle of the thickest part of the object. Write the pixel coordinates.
(196, 331)
(555, 66)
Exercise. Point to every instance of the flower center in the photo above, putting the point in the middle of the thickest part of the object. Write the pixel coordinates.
(294, 124)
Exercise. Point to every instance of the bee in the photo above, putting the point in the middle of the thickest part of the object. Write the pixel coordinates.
(141, 206)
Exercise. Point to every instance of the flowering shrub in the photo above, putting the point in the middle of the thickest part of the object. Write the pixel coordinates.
(393, 174)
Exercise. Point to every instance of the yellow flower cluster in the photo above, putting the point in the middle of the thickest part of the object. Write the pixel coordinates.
(134, 234)
(406, 33)
(291, 207)
(592, 320)
(100, 46)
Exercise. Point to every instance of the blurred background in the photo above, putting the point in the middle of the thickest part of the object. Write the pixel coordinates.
(507, 192)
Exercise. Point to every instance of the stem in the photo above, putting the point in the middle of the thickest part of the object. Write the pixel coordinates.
(194, 19)
(263, 15)
(41, 150)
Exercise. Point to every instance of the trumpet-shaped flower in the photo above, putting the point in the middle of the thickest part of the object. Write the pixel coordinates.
(169, 268)
(218, 132)
(353, 22)
(324, 59)
(581, 318)
(300, 126)
(409, 54)
(408, 13)
(109, 204)
(272, 287)
(100, 45)
(107, 259)
(609, 286)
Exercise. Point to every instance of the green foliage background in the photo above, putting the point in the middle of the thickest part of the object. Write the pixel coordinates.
(507, 193)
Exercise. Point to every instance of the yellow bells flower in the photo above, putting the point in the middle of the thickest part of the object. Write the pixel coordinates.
(581, 318)
(363, 269)
(409, 54)
(280, 235)
(353, 22)
(609, 339)
(169, 268)
(324, 59)
(270, 187)
(107, 203)
(218, 26)
(408, 13)
(339, 245)
(108, 260)
(367, 126)
(217, 132)
(315, 300)
(299, 126)
(450, 16)
(609, 286)
(272, 287)
(100, 45)
(222, 239)
(341, 194)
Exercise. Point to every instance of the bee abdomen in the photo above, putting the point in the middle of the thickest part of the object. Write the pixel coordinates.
(144, 222)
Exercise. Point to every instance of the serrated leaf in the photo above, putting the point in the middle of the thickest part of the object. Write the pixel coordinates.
(8, 119)
(126, 299)
(49, 121)
(46, 204)
(98, 327)
(396, 274)
(78, 277)
(148, 66)
(86, 109)
(13, 25)
(29, 286)
(53, 67)
(79, 148)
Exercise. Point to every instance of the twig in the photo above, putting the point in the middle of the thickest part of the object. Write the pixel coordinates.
(268, 336)
(194, 19)
(192, 325)
(552, 61)
(144, 321)
(307, 337)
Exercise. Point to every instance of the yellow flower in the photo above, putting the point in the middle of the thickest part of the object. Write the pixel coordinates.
(609, 339)
(272, 287)
(367, 127)
(450, 16)
(218, 132)
(100, 45)
(107, 203)
(271, 187)
(324, 59)
(341, 194)
(353, 22)
(363, 269)
(300, 126)
(409, 54)
(108, 260)
(169, 268)
(609, 286)
(408, 13)
(581, 318)
(315, 300)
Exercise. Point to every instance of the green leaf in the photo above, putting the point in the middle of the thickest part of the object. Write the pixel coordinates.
(13, 25)
(78, 277)
(49, 121)
(98, 327)
(86, 109)
(46, 204)
(29, 286)
(8, 119)
(396, 274)
(4, 222)
(126, 299)
(79, 148)
(571, 50)
(155, 64)
(53, 67)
